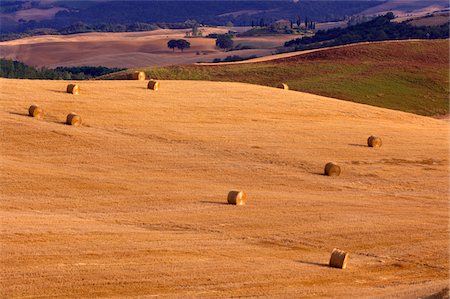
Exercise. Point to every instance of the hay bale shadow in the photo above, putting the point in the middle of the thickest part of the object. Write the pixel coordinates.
(319, 173)
(314, 264)
(214, 202)
(58, 91)
(444, 293)
(21, 114)
(47, 118)
(358, 145)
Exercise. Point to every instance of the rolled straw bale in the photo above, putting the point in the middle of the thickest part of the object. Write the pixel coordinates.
(73, 89)
(338, 259)
(153, 85)
(332, 169)
(36, 111)
(236, 198)
(283, 86)
(137, 76)
(374, 141)
(73, 119)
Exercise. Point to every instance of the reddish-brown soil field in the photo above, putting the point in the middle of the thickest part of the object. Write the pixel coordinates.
(128, 49)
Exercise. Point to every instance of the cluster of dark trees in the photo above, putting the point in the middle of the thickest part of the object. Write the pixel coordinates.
(80, 27)
(377, 29)
(179, 44)
(232, 58)
(308, 24)
(224, 41)
(88, 72)
(305, 23)
(19, 70)
(285, 27)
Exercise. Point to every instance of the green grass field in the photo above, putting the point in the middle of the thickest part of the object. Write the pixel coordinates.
(411, 76)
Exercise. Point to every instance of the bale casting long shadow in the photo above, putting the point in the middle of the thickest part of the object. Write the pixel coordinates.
(358, 145)
(21, 114)
(314, 264)
(319, 173)
(214, 202)
(48, 118)
(59, 91)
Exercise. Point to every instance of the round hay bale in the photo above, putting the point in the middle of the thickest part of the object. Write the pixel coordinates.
(332, 169)
(236, 198)
(338, 259)
(283, 86)
(137, 76)
(374, 141)
(153, 85)
(73, 89)
(36, 111)
(73, 119)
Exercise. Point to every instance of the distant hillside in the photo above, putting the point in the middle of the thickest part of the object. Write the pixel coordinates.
(208, 12)
(378, 29)
(435, 19)
(411, 76)
(407, 7)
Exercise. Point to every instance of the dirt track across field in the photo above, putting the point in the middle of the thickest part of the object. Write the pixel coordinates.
(132, 203)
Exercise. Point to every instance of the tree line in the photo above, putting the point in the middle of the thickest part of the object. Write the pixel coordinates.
(15, 69)
(81, 27)
(378, 29)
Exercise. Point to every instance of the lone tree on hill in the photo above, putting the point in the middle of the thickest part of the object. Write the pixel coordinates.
(224, 41)
(183, 44)
(172, 44)
(179, 44)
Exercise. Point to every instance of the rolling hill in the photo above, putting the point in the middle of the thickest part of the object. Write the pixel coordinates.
(403, 8)
(131, 204)
(435, 19)
(128, 49)
(411, 76)
(241, 13)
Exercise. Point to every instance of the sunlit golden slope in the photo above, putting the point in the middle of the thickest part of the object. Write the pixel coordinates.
(131, 204)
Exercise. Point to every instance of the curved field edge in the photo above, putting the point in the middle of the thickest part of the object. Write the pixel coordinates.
(410, 76)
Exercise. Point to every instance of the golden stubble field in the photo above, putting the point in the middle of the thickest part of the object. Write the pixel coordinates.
(132, 203)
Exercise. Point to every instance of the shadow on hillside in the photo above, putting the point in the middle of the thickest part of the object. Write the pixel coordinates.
(314, 264)
(319, 173)
(214, 202)
(57, 90)
(444, 293)
(47, 118)
(21, 114)
(358, 145)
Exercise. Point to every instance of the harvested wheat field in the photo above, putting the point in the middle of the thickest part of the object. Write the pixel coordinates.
(125, 49)
(133, 202)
